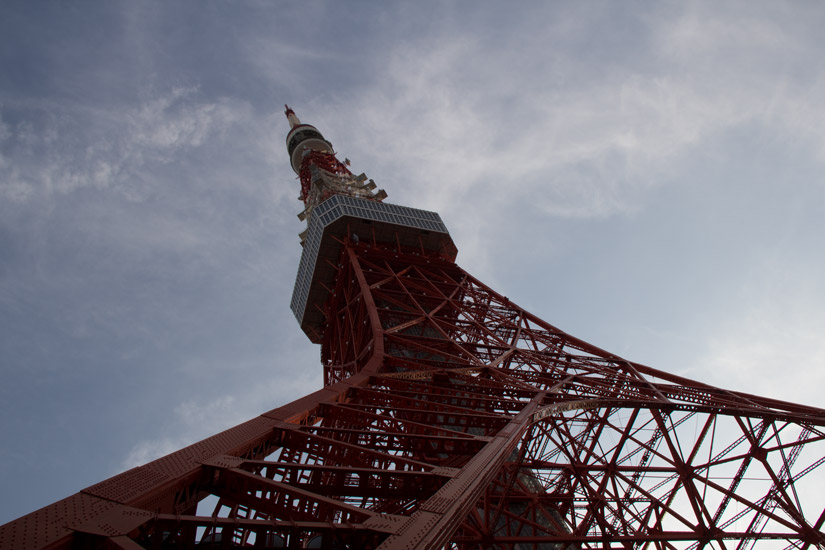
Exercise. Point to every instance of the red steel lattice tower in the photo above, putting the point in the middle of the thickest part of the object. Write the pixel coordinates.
(452, 418)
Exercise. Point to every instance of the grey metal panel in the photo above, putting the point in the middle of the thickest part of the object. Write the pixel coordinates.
(339, 206)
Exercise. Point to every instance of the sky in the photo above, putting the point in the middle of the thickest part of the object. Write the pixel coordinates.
(645, 176)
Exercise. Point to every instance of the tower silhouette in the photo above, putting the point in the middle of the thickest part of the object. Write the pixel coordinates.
(452, 418)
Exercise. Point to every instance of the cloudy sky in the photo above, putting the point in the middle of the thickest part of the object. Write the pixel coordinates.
(646, 176)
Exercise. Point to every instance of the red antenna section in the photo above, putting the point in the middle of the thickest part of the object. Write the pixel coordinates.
(321, 174)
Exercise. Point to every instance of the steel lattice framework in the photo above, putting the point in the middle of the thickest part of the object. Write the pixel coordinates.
(452, 418)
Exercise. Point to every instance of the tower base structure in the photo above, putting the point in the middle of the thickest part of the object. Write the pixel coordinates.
(453, 418)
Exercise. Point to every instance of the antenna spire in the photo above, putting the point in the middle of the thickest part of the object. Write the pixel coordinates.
(321, 173)
(291, 117)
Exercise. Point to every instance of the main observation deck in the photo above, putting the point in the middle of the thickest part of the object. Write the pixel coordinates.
(340, 217)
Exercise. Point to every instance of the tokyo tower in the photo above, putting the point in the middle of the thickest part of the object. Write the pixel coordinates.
(452, 418)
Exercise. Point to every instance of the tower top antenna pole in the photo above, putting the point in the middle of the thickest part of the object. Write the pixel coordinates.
(291, 117)
(322, 175)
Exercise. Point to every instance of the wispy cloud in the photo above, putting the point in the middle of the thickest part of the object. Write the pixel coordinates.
(468, 126)
(59, 150)
(194, 419)
(772, 343)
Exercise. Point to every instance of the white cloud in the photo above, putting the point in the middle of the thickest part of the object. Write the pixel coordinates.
(14, 190)
(5, 131)
(191, 421)
(48, 155)
(454, 113)
(174, 121)
(702, 31)
(149, 450)
(772, 344)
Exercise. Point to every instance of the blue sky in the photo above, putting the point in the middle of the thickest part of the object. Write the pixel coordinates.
(645, 176)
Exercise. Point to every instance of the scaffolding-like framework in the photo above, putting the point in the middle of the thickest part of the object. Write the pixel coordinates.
(452, 418)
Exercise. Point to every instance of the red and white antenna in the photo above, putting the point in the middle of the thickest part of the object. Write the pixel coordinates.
(321, 173)
(291, 117)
